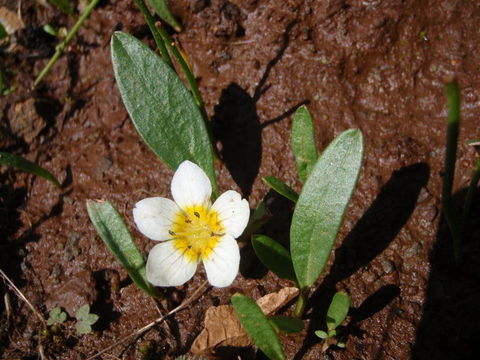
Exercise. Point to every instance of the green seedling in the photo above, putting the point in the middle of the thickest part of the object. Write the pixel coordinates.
(56, 316)
(336, 314)
(329, 181)
(85, 320)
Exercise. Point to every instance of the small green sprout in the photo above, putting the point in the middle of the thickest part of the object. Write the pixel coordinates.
(85, 320)
(336, 314)
(455, 219)
(56, 316)
(423, 36)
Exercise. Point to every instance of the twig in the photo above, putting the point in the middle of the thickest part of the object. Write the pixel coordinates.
(21, 296)
(153, 323)
(60, 47)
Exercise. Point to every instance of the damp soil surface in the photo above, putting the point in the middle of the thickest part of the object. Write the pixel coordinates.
(379, 66)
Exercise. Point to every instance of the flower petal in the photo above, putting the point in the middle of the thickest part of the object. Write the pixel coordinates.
(154, 217)
(222, 265)
(190, 185)
(233, 212)
(167, 266)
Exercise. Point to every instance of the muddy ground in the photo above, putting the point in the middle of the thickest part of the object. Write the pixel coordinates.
(378, 66)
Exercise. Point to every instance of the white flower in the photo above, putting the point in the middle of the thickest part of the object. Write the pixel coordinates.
(191, 230)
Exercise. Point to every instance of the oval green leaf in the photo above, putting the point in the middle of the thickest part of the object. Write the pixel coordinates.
(274, 256)
(280, 187)
(303, 142)
(23, 164)
(163, 11)
(322, 202)
(258, 326)
(113, 231)
(287, 324)
(338, 310)
(161, 108)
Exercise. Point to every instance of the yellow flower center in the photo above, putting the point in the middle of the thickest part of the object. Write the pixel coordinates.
(196, 231)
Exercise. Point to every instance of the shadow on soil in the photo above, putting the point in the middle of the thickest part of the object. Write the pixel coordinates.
(377, 228)
(236, 125)
(450, 325)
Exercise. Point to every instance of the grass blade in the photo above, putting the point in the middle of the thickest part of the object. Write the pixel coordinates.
(322, 202)
(161, 108)
(280, 187)
(27, 166)
(453, 124)
(303, 142)
(113, 231)
(258, 326)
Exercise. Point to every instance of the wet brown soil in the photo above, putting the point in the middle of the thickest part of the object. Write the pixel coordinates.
(378, 66)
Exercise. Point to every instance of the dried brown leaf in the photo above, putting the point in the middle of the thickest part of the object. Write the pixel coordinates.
(223, 332)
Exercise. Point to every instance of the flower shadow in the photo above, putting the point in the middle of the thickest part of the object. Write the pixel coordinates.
(236, 125)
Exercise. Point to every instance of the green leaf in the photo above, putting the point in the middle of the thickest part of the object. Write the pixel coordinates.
(338, 310)
(274, 256)
(27, 166)
(49, 30)
(161, 108)
(63, 5)
(258, 326)
(85, 320)
(162, 10)
(259, 217)
(111, 228)
(56, 316)
(303, 142)
(287, 324)
(321, 334)
(280, 187)
(3, 32)
(322, 202)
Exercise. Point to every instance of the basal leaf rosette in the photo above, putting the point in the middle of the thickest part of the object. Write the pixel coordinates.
(192, 230)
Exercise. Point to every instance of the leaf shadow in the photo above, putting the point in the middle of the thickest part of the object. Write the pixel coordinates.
(277, 227)
(450, 324)
(236, 125)
(376, 229)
